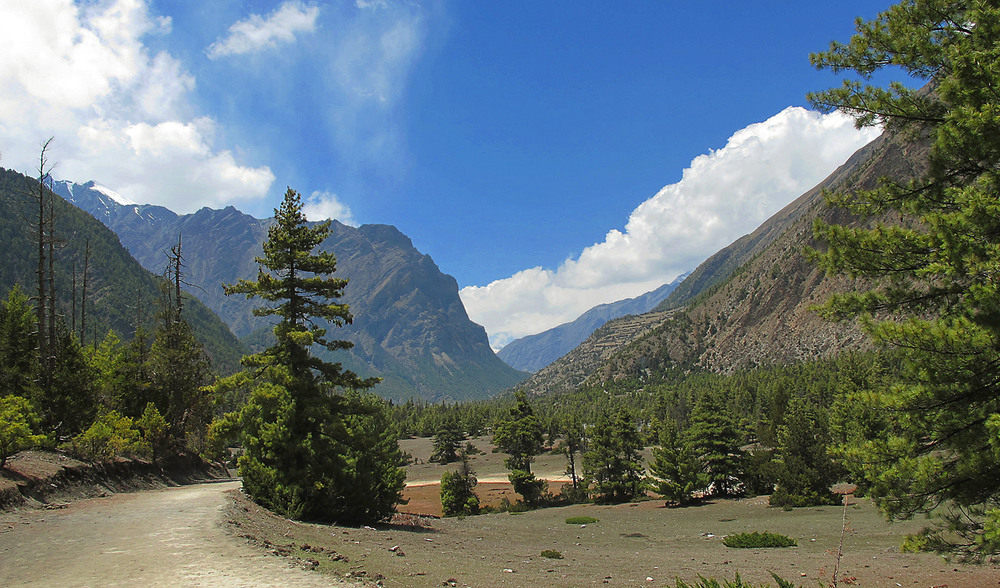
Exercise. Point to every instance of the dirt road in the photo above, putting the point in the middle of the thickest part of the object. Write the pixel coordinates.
(168, 537)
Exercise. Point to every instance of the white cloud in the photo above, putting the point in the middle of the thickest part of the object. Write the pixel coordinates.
(173, 160)
(325, 205)
(119, 114)
(722, 195)
(256, 33)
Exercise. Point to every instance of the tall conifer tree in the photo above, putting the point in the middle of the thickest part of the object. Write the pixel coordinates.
(937, 299)
(315, 448)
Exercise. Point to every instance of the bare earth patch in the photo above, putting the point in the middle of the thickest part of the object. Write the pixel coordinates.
(632, 544)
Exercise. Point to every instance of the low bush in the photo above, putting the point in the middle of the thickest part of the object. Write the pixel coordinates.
(17, 421)
(551, 554)
(737, 582)
(758, 540)
(581, 520)
(111, 435)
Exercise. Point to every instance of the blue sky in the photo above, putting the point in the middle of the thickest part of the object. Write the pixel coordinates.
(549, 155)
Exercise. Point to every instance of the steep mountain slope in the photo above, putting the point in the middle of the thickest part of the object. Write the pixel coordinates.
(534, 352)
(120, 292)
(410, 326)
(750, 304)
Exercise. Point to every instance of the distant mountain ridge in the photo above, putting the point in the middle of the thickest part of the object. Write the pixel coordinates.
(533, 352)
(410, 326)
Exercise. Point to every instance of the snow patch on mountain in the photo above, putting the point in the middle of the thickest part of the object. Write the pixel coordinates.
(113, 195)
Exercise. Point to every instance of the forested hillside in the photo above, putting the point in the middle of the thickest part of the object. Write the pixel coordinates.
(120, 294)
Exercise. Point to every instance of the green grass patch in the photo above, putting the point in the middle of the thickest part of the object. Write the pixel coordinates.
(581, 520)
(758, 540)
(551, 554)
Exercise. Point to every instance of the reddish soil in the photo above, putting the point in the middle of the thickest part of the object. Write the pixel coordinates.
(426, 499)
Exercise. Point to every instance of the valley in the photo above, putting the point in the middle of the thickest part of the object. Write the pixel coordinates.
(825, 373)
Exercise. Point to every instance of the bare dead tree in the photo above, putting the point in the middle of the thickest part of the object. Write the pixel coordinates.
(72, 309)
(83, 296)
(40, 229)
(50, 243)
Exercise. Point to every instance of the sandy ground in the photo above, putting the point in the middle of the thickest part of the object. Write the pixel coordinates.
(168, 537)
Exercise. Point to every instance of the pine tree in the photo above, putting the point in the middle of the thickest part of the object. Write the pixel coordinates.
(936, 298)
(520, 437)
(316, 448)
(18, 360)
(458, 490)
(676, 469)
(447, 441)
(805, 471)
(613, 464)
(573, 442)
(68, 405)
(714, 440)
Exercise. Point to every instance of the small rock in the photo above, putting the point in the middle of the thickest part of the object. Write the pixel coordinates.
(508, 571)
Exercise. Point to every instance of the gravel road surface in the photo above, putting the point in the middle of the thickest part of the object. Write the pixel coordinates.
(168, 537)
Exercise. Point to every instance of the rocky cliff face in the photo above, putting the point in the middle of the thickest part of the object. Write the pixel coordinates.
(749, 305)
(410, 326)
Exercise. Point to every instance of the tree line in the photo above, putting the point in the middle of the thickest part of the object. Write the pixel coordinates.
(104, 398)
(774, 431)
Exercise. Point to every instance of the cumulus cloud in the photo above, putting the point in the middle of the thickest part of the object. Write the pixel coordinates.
(256, 33)
(722, 195)
(325, 205)
(120, 114)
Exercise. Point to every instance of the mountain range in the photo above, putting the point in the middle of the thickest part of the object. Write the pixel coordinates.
(410, 326)
(751, 304)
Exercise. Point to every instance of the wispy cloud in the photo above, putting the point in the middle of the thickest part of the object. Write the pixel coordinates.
(371, 52)
(256, 33)
(722, 195)
(120, 113)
